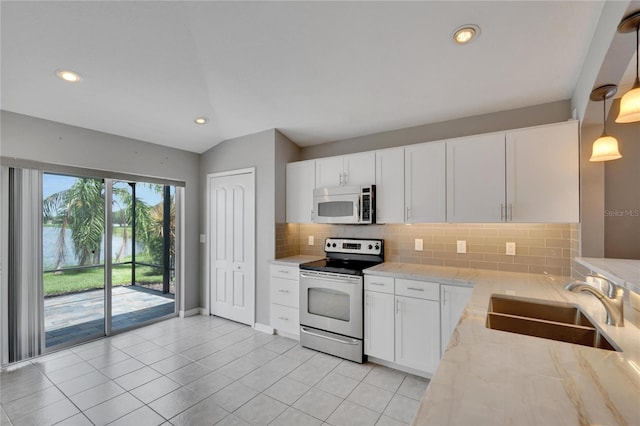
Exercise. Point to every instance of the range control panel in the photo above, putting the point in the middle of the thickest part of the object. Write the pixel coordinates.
(353, 246)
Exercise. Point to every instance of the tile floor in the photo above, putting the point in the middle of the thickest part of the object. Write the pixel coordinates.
(203, 371)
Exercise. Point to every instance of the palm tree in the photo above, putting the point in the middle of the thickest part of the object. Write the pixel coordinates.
(81, 209)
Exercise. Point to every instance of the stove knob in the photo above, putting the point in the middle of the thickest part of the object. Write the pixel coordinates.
(377, 247)
(328, 244)
(334, 244)
(370, 246)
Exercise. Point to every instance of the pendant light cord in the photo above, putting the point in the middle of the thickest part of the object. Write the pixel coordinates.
(604, 114)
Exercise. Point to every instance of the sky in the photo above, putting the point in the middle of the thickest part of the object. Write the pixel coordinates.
(55, 183)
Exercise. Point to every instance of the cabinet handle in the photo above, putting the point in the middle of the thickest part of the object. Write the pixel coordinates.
(502, 212)
(283, 291)
(377, 284)
(408, 213)
(345, 178)
(510, 212)
(282, 271)
(414, 288)
(397, 307)
(340, 179)
(444, 298)
(283, 318)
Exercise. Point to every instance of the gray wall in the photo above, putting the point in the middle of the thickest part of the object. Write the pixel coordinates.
(513, 119)
(622, 192)
(34, 139)
(591, 196)
(257, 150)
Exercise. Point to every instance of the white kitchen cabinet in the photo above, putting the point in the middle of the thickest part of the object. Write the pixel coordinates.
(425, 182)
(543, 174)
(526, 175)
(390, 186)
(476, 179)
(417, 333)
(301, 180)
(346, 170)
(284, 283)
(379, 325)
(453, 300)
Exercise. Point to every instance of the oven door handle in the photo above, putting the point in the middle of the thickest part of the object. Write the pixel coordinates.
(330, 278)
(345, 340)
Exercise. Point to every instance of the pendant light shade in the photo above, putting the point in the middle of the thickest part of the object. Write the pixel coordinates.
(630, 102)
(605, 148)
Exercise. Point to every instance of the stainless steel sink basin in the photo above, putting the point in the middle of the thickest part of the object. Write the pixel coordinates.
(546, 319)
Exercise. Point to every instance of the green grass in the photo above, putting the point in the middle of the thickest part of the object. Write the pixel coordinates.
(93, 278)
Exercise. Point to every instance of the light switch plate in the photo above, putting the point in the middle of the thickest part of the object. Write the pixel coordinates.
(418, 244)
(461, 246)
(310, 240)
(511, 249)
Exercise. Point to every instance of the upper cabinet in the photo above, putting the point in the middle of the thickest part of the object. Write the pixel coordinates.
(390, 186)
(543, 174)
(346, 170)
(475, 179)
(425, 184)
(301, 180)
(527, 175)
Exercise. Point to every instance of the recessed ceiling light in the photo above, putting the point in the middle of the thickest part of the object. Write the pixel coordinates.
(68, 76)
(200, 120)
(466, 33)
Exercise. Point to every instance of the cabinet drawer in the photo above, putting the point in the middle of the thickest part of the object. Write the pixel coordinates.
(291, 272)
(377, 283)
(285, 292)
(285, 319)
(418, 289)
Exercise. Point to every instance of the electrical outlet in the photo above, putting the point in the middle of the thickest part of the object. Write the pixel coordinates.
(418, 244)
(511, 249)
(310, 240)
(461, 246)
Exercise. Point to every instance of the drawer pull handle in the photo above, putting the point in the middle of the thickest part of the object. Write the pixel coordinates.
(414, 288)
(283, 318)
(283, 271)
(382, 284)
(283, 291)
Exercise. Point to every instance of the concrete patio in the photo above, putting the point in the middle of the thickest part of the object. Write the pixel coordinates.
(76, 316)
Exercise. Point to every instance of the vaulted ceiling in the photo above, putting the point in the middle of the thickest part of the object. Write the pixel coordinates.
(318, 71)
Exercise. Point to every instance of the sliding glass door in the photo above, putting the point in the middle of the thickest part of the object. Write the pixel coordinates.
(105, 269)
(73, 229)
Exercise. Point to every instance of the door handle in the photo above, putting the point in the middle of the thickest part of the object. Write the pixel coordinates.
(333, 339)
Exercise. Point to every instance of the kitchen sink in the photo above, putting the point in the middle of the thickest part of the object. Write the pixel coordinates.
(546, 319)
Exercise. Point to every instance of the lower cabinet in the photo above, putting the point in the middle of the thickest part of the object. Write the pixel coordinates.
(409, 322)
(284, 282)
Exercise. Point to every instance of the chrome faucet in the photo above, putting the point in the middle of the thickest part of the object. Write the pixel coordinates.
(612, 301)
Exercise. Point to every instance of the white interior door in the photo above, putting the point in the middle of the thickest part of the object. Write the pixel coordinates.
(232, 246)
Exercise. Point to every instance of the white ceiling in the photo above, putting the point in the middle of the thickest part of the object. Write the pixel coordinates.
(318, 71)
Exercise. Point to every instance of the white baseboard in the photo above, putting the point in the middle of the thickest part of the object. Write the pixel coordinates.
(263, 328)
(204, 311)
(399, 367)
(190, 312)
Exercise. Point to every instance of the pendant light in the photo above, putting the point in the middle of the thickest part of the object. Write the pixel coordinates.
(605, 148)
(630, 102)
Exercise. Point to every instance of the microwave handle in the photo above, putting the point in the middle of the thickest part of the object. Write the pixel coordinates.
(359, 208)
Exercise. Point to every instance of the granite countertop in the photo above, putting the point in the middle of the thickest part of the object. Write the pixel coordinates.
(497, 378)
(624, 272)
(295, 260)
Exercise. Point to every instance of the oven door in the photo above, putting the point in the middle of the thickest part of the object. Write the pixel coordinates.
(336, 208)
(332, 302)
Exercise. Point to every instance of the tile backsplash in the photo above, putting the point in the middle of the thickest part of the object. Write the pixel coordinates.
(540, 248)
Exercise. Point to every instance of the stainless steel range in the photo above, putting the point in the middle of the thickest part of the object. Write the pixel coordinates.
(332, 294)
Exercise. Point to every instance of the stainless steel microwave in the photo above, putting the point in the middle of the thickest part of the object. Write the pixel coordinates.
(345, 205)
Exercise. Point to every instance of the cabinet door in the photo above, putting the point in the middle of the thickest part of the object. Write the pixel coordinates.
(476, 179)
(378, 325)
(390, 186)
(425, 187)
(453, 300)
(359, 169)
(329, 172)
(417, 333)
(301, 180)
(543, 175)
